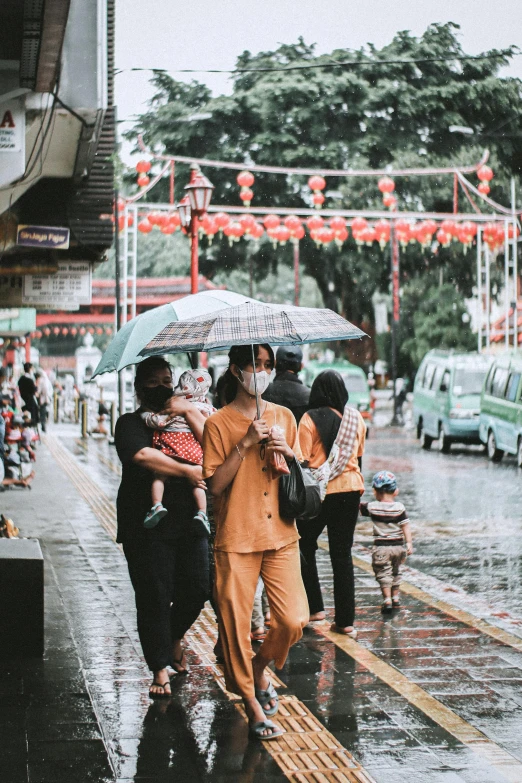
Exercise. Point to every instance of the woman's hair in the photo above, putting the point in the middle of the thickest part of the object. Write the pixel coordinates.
(328, 391)
(241, 356)
(148, 367)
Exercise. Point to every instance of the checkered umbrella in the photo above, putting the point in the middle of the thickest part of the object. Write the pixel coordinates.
(252, 323)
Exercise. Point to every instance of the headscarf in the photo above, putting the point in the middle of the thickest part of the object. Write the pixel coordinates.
(328, 391)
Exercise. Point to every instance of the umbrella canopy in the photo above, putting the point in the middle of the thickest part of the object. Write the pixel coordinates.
(250, 323)
(124, 349)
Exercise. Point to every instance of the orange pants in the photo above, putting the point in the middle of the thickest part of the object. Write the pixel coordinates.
(235, 586)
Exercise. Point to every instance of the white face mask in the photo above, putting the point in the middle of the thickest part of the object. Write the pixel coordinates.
(247, 381)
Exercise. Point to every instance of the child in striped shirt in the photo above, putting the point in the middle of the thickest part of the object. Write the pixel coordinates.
(391, 531)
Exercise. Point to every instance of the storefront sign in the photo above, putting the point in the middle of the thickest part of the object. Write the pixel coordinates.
(12, 140)
(70, 287)
(43, 236)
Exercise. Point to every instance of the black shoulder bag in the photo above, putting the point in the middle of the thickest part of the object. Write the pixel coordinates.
(299, 493)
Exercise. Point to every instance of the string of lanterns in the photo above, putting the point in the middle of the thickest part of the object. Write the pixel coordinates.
(73, 331)
(292, 228)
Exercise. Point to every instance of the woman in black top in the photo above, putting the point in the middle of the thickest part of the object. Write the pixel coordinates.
(169, 569)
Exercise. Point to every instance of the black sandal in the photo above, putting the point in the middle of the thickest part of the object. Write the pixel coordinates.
(183, 669)
(164, 695)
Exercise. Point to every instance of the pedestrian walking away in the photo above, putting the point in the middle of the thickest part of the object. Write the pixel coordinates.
(287, 389)
(252, 539)
(391, 531)
(168, 566)
(318, 440)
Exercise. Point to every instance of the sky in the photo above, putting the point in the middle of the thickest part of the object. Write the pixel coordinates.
(207, 34)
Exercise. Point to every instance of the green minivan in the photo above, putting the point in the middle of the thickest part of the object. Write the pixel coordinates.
(354, 379)
(500, 427)
(446, 398)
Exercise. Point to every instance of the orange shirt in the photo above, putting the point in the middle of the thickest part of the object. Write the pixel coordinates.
(247, 513)
(312, 449)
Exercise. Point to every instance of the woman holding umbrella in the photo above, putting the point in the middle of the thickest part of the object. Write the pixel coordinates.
(252, 539)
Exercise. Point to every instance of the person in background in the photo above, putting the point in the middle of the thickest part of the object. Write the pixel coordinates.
(44, 397)
(318, 431)
(287, 389)
(27, 389)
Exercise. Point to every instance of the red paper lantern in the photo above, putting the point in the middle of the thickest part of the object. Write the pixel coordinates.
(222, 220)
(143, 180)
(154, 218)
(144, 226)
(382, 232)
(293, 223)
(38, 334)
(443, 238)
(211, 229)
(282, 234)
(389, 201)
(297, 234)
(246, 196)
(74, 331)
(108, 329)
(257, 231)
(326, 235)
(234, 231)
(65, 331)
(121, 222)
(99, 330)
(338, 223)
(314, 223)
(245, 179)
(386, 185)
(168, 228)
(91, 330)
(271, 221)
(47, 331)
(82, 330)
(484, 188)
(485, 174)
(248, 222)
(317, 183)
(358, 224)
(56, 331)
(449, 227)
(368, 235)
(318, 200)
(174, 220)
(512, 233)
(340, 237)
(143, 166)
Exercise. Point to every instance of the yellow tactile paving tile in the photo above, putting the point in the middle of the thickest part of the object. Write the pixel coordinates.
(496, 756)
(321, 759)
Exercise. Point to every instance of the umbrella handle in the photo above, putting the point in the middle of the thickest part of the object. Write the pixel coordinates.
(258, 415)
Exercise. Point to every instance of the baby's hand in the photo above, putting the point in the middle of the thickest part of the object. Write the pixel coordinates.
(177, 406)
(409, 549)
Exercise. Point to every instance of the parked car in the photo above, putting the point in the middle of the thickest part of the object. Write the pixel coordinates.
(446, 398)
(354, 379)
(500, 426)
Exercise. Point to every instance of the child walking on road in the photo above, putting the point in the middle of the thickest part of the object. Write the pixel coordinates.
(174, 438)
(391, 530)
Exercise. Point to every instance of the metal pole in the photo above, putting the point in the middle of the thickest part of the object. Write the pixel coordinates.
(296, 272)
(134, 254)
(85, 415)
(515, 267)
(171, 183)
(455, 194)
(480, 304)
(194, 262)
(56, 407)
(506, 281)
(250, 271)
(394, 257)
(113, 418)
(488, 295)
(125, 276)
(117, 262)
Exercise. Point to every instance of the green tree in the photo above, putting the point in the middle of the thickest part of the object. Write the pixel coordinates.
(368, 115)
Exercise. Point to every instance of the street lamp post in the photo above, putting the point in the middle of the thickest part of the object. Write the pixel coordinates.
(191, 208)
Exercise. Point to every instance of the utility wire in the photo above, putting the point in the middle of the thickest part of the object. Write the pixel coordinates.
(332, 64)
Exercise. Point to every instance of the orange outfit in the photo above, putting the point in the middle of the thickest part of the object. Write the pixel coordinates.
(253, 540)
(312, 449)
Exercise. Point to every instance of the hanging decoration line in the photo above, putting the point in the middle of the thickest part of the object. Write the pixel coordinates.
(503, 54)
(486, 199)
(154, 181)
(220, 164)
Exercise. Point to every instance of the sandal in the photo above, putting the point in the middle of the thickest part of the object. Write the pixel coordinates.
(336, 629)
(396, 603)
(164, 695)
(258, 636)
(265, 697)
(255, 730)
(181, 664)
(387, 608)
(157, 512)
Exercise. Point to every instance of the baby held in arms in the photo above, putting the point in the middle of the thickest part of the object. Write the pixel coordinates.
(173, 436)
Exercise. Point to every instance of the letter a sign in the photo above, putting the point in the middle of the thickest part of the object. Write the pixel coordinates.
(12, 141)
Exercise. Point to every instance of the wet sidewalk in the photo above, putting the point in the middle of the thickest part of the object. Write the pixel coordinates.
(423, 694)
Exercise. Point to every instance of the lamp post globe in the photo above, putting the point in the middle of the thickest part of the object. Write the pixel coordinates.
(184, 212)
(199, 190)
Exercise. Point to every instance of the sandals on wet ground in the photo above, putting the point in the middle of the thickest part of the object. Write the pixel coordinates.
(387, 607)
(255, 730)
(265, 697)
(163, 685)
(396, 603)
(336, 629)
(181, 663)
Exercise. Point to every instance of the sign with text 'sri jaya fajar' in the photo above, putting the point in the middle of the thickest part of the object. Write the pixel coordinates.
(43, 236)
(70, 286)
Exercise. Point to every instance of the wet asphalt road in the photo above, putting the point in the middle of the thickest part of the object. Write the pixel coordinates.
(83, 712)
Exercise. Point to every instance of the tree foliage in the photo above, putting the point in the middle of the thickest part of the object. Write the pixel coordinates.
(370, 115)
